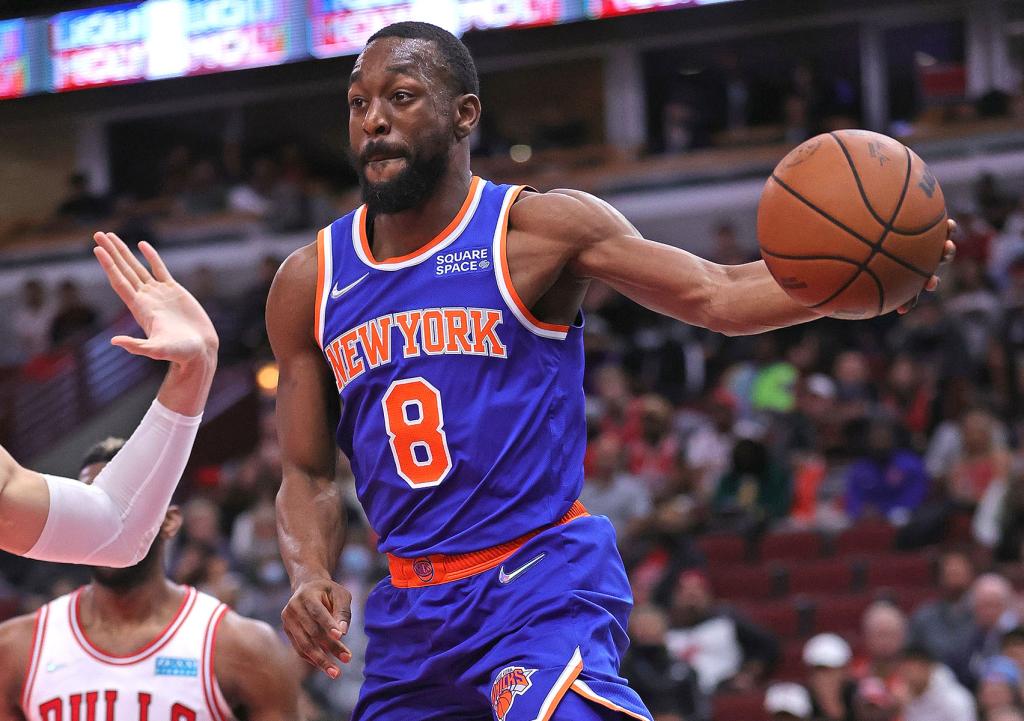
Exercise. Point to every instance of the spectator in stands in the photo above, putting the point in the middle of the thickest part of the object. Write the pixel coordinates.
(31, 320)
(680, 127)
(930, 690)
(1007, 713)
(654, 451)
(204, 192)
(993, 606)
(252, 328)
(945, 627)
(255, 196)
(787, 701)
(1012, 646)
(754, 490)
(855, 389)
(1007, 374)
(75, 320)
(81, 206)
(708, 448)
(609, 491)
(874, 701)
(886, 480)
(999, 686)
(967, 454)
(724, 649)
(976, 308)
(885, 634)
(907, 394)
(827, 657)
(667, 685)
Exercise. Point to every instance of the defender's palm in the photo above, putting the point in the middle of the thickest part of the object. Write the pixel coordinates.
(177, 328)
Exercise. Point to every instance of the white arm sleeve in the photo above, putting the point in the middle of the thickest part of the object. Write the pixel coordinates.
(113, 522)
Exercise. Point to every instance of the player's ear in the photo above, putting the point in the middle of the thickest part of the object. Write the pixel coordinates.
(467, 108)
(172, 523)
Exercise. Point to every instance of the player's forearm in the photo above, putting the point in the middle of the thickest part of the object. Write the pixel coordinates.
(311, 526)
(748, 300)
(187, 385)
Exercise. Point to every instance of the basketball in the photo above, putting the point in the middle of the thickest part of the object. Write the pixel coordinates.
(852, 224)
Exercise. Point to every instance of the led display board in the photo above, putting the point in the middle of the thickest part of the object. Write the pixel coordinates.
(13, 59)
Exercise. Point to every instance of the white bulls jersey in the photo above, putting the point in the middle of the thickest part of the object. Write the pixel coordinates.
(169, 679)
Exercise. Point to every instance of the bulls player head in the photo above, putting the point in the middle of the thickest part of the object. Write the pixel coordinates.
(152, 565)
(413, 103)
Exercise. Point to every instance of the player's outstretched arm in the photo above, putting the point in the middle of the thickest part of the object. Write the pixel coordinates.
(598, 242)
(113, 521)
(310, 519)
(16, 642)
(255, 671)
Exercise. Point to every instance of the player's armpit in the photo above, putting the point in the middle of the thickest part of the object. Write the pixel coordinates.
(255, 671)
(16, 638)
(598, 242)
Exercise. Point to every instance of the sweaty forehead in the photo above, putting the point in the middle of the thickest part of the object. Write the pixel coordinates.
(399, 56)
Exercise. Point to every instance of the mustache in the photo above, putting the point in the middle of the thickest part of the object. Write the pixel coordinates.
(381, 149)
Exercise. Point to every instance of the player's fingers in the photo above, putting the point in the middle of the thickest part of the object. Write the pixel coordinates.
(160, 271)
(138, 268)
(305, 647)
(951, 225)
(135, 346)
(318, 613)
(949, 252)
(106, 241)
(341, 603)
(932, 283)
(125, 290)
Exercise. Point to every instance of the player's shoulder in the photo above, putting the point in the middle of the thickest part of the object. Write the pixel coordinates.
(244, 639)
(17, 636)
(563, 214)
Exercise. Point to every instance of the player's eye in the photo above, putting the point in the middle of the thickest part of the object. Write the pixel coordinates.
(356, 103)
(401, 96)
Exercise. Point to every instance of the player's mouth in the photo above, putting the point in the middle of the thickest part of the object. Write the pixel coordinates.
(383, 165)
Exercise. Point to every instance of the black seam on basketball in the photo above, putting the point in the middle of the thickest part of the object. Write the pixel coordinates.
(849, 281)
(856, 177)
(888, 226)
(922, 229)
(851, 231)
(840, 289)
(881, 290)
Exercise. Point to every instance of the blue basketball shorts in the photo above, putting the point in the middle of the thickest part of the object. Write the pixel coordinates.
(507, 644)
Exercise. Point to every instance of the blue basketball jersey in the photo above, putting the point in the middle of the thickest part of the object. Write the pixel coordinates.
(463, 414)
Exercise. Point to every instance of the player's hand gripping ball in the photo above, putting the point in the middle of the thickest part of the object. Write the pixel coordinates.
(853, 224)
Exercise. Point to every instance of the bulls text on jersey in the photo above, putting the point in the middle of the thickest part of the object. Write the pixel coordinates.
(83, 707)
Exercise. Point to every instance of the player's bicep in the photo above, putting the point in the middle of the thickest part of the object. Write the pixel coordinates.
(24, 506)
(257, 674)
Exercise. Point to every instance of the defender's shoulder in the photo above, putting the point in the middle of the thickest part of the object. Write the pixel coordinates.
(565, 214)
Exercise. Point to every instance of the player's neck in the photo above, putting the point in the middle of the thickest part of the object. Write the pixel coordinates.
(133, 605)
(397, 234)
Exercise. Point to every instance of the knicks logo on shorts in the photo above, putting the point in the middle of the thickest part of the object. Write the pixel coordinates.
(511, 681)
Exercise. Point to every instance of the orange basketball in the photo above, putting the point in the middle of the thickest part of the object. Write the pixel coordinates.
(852, 224)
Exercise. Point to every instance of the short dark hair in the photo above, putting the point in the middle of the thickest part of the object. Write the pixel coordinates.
(461, 70)
(918, 652)
(102, 452)
(1014, 635)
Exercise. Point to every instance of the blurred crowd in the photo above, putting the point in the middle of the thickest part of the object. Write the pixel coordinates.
(904, 420)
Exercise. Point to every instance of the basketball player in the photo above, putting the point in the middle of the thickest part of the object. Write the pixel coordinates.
(445, 311)
(113, 521)
(132, 646)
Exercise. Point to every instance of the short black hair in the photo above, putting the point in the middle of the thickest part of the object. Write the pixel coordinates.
(102, 452)
(455, 57)
(1014, 635)
(918, 652)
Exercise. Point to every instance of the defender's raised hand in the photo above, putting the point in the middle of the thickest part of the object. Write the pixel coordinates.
(177, 328)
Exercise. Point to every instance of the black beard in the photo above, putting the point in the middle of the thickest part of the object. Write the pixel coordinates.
(408, 189)
(125, 579)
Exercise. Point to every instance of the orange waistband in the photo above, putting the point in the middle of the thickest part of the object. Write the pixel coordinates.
(440, 568)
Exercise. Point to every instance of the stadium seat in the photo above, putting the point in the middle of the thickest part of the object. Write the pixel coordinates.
(821, 577)
(780, 617)
(909, 570)
(723, 549)
(840, 614)
(866, 537)
(738, 706)
(745, 582)
(791, 546)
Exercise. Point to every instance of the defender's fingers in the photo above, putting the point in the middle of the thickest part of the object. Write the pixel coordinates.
(160, 271)
(125, 290)
(106, 241)
(138, 268)
(932, 283)
(949, 252)
(313, 655)
(318, 612)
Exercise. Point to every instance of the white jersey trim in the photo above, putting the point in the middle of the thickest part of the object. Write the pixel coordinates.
(580, 686)
(325, 267)
(562, 685)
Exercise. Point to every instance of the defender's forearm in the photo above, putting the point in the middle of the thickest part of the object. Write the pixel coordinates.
(310, 526)
(751, 301)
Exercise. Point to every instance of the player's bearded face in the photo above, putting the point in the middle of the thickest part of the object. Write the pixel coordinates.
(123, 579)
(424, 166)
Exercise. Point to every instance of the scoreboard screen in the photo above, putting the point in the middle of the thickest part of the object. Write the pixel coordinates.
(13, 59)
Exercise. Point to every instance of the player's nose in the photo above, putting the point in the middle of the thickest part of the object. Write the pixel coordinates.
(375, 121)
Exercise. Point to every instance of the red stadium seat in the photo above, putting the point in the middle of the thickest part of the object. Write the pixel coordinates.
(910, 599)
(780, 617)
(840, 614)
(791, 546)
(866, 537)
(821, 577)
(739, 707)
(723, 549)
(913, 570)
(744, 582)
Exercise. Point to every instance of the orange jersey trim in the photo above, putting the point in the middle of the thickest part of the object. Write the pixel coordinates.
(506, 275)
(320, 289)
(435, 241)
(439, 568)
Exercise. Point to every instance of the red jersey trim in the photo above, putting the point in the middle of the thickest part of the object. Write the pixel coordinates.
(214, 699)
(38, 639)
(74, 610)
(442, 239)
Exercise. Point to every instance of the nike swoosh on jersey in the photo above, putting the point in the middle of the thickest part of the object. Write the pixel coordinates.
(337, 293)
(509, 577)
